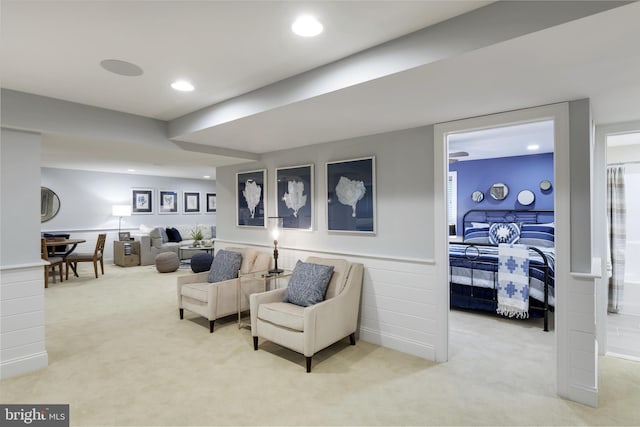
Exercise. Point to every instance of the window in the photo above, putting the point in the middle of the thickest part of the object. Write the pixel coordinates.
(452, 197)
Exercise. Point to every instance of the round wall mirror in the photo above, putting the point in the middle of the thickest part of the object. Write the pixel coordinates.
(526, 197)
(49, 204)
(499, 191)
(477, 196)
(545, 185)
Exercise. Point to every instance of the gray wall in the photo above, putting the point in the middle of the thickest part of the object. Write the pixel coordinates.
(20, 197)
(404, 181)
(86, 199)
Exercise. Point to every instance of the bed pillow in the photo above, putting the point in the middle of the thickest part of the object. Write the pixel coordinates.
(308, 283)
(542, 235)
(477, 234)
(504, 232)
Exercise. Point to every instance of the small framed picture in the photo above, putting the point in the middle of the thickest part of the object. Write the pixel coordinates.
(168, 202)
(191, 202)
(211, 202)
(142, 201)
(124, 236)
(250, 191)
(294, 197)
(351, 196)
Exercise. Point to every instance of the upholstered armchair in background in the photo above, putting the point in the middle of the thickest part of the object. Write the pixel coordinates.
(310, 329)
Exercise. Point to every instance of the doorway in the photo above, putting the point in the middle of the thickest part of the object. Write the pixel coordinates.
(559, 113)
(623, 287)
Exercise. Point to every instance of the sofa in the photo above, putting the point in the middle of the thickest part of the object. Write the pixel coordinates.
(216, 300)
(154, 240)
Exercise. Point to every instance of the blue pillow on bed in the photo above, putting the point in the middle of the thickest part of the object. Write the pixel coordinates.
(477, 234)
(503, 232)
(542, 235)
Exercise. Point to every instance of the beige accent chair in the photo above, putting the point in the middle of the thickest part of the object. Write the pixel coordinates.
(216, 300)
(308, 330)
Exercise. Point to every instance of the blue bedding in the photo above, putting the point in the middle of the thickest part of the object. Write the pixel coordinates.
(477, 266)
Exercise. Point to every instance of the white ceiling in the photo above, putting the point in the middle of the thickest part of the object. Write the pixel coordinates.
(228, 48)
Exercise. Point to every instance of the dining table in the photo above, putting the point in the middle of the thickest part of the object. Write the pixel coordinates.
(71, 246)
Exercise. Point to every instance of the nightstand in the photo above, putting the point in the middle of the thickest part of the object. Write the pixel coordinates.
(127, 253)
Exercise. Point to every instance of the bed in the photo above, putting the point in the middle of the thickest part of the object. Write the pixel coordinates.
(473, 263)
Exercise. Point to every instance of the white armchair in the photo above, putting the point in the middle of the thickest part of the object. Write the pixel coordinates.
(216, 300)
(308, 330)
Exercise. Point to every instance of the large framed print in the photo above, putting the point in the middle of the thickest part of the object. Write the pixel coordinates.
(168, 202)
(211, 202)
(250, 191)
(351, 196)
(191, 202)
(141, 201)
(294, 197)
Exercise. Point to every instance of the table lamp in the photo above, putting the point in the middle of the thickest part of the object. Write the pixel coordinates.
(275, 224)
(120, 211)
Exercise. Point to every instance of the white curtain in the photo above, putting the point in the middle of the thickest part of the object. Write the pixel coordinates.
(617, 215)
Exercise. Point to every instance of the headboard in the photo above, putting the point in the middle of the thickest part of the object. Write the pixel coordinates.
(477, 226)
(520, 217)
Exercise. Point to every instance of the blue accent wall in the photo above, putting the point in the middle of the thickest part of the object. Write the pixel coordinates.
(518, 173)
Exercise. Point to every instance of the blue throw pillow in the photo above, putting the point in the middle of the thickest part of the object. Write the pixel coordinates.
(504, 232)
(177, 234)
(308, 283)
(225, 266)
(542, 235)
(165, 236)
(171, 236)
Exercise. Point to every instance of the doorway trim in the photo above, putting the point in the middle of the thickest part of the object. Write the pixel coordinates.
(559, 113)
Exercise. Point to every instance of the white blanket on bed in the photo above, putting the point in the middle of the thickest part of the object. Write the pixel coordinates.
(513, 280)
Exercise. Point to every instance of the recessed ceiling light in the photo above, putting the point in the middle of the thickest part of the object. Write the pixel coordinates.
(122, 68)
(131, 170)
(307, 26)
(533, 147)
(182, 85)
(207, 176)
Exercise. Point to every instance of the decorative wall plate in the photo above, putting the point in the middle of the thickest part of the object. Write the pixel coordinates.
(526, 197)
(477, 196)
(499, 191)
(545, 185)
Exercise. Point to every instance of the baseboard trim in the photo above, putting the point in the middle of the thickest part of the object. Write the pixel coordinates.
(401, 344)
(23, 365)
(582, 394)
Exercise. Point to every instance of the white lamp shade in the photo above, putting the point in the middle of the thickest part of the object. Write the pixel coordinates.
(121, 210)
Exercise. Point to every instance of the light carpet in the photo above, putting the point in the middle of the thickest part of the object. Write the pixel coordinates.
(119, 355)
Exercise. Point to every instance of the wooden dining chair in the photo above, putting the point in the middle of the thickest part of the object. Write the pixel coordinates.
(98, 255)
(54, 261)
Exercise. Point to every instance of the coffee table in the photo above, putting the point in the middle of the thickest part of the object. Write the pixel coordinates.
(190, 250)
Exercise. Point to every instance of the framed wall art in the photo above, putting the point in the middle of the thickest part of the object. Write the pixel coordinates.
(211, 202)
(191, 202)
(250, 191)
(141, 201)
(168, 202)
(294, 197)
(351, 196)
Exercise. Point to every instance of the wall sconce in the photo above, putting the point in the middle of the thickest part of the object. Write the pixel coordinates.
(120, 211)
(275, 224)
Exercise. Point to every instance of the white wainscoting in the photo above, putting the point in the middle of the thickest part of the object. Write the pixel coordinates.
(22, 332)
(398, 298)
